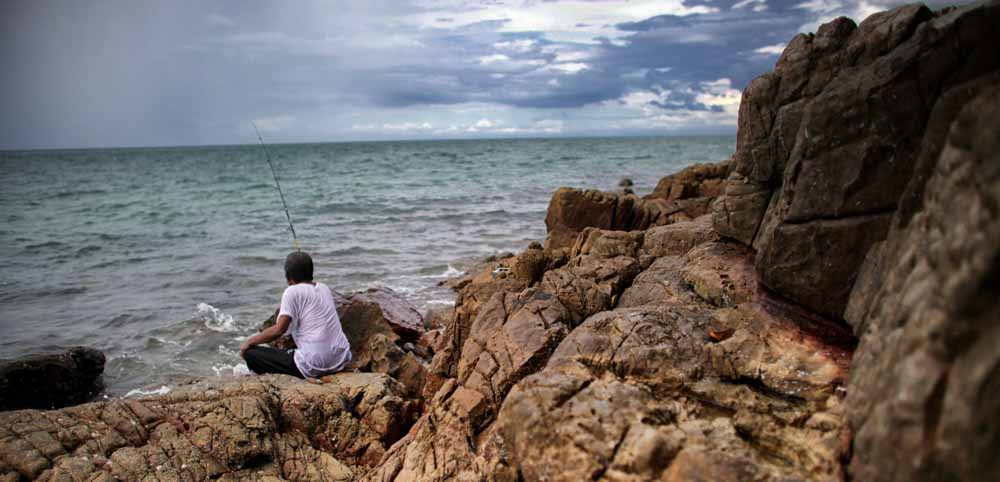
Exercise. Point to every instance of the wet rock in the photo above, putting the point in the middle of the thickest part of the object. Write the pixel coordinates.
(269, 426)
(625, 182)
(51, 381)
(922, 397)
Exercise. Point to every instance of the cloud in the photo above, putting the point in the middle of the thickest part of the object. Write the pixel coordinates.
(572, 21)
(517, 45)
(775, 49)
(569, 67)
(217, 20)
(176, 74)
(755, 5)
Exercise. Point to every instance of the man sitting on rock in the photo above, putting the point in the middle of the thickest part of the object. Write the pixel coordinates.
(309, 314)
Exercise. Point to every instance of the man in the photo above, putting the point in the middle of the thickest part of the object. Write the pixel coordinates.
(309, 313)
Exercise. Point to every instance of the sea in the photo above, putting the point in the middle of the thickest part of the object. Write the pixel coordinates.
(166, 259)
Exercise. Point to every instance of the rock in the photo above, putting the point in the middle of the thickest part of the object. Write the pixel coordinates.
(829, 141)
(51, 381)
(720, 273)
(572, 210)
(389, 308)
(448, 349)
(699, 180)
(660, 283)
(625, 182)
(642, 393)
(379, 311)
(383, 355)
(922, 397)
(440, 445)
(512, 336)
(678, 238)
(680, 197)
(590, 284)
(272, 426)
(428, 343)
(437, 319)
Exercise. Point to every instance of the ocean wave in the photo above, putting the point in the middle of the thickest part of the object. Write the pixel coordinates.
(403, 290)
(138, 392)
(87, 250)
(216, 320)
(47, 244)
(357, 250)
(84, 192)
(236, 370)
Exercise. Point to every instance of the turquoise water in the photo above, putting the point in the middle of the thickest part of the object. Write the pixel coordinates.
(166, 258)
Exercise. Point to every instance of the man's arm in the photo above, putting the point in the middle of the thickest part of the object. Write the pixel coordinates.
(279, 328)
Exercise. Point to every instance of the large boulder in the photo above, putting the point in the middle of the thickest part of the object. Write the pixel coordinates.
(379, 310)
(51, 381)
(923, 395)
(829, 141)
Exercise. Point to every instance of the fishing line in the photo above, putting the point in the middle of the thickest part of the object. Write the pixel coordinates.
(267, 154)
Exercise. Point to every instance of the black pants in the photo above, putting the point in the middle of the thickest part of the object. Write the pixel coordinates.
(264, 359)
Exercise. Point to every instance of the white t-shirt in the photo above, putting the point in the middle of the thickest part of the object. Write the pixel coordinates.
(315, 327)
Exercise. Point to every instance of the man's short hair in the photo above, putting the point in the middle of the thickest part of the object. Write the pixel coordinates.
(299, 267)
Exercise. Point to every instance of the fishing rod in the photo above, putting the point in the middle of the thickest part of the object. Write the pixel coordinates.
(267, 154)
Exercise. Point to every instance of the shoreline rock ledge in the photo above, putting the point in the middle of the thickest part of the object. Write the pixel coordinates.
(822, 306)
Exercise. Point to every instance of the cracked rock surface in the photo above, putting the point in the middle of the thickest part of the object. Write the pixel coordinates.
(271, 426)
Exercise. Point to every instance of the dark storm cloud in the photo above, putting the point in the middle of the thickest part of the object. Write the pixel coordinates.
(150, 73)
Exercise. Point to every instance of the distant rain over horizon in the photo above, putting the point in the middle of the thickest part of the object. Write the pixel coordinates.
(122, 73)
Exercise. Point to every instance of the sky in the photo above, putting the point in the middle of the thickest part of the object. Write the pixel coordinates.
(143, 73)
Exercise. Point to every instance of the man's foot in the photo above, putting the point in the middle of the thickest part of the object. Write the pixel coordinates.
(314, 381)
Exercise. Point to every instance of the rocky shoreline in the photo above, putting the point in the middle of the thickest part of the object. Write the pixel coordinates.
(820, 307)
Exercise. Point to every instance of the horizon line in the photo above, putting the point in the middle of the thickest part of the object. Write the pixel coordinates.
(361, 141)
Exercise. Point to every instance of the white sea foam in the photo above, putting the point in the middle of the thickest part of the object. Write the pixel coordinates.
(236, 370)
(215, 319)
(441, 302)
(138, 392)
(226, 351)
(403, 290)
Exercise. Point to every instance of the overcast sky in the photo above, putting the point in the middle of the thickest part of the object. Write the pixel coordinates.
(131, 73)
